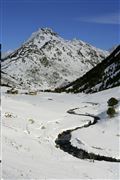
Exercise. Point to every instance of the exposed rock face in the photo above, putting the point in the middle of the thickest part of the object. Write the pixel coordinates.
(104, 76)
(46, 61)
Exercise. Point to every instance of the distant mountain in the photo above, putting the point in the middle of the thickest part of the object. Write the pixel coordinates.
(46, 61)
(104, 76)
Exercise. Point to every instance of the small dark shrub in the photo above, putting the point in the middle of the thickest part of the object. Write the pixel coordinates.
(112, 101)
(111, 111)
(12, 91)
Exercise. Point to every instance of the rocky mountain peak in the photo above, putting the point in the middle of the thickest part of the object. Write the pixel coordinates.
(46, 60)
(48, 31)
(41, 34)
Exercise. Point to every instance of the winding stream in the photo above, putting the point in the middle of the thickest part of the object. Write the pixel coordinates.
(63, 141)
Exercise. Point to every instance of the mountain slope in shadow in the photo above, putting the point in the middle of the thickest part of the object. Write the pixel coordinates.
(103, 76)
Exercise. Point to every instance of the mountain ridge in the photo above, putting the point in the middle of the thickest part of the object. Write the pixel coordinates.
(103, 76)
(46, 60)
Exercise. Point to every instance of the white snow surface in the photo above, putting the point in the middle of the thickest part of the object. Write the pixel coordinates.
(46, 60)
(30, 125)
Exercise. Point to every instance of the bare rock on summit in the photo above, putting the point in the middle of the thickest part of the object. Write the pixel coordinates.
(47, 61)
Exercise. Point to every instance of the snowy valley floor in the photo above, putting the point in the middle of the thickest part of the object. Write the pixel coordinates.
(31, 124)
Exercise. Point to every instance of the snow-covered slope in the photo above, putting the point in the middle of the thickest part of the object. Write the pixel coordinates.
(31, 124)
(104, 76)
(7, 80)
(47, 61)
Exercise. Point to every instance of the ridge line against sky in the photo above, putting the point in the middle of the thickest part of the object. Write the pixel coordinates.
(96, 22)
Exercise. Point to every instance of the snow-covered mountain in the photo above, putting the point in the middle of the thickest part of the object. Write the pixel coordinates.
(7, 80)
(46, 61)
(104, 76)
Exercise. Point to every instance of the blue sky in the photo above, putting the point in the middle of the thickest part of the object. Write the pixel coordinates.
(94, 21)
